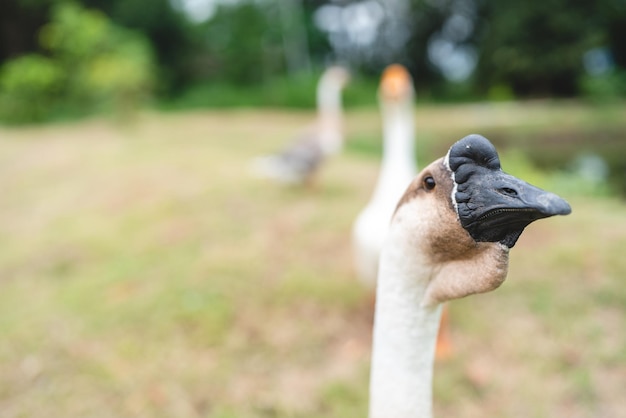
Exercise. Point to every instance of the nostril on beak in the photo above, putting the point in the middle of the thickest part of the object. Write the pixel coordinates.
(508, 191)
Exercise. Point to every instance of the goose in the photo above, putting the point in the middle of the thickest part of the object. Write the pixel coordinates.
(449, 237)
(397, 170)
(299, 161)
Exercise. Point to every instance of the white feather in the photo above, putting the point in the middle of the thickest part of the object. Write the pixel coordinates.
(398, 168)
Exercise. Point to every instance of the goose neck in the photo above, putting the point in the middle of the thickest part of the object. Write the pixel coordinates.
(405, 334)
(398, 160)
(329, 100)
(398, 135)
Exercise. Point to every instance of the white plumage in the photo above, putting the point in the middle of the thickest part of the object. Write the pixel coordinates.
(398, 168)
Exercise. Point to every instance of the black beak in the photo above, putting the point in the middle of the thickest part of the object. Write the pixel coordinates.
(494, 206)
(504, 205)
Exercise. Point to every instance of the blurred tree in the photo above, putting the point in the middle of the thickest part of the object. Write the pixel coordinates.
(429, 17)
(93, 64)
(319, 48)
(20, 21)
(295, 44)
(29, 85)
(515, 47)
(536, 48)
(106, 63)
(613, 20)
(172, 36)
(244, 43)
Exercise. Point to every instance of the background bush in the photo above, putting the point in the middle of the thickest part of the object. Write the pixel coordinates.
(92, 65)
(29, 85)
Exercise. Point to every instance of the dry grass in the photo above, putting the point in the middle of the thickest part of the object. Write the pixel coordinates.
(144, 273)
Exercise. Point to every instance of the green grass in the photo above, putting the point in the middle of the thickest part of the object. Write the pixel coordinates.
(145, 273)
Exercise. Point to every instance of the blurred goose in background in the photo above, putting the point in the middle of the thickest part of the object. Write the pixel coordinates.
(397, 169)
(300, 160)
(449, 237)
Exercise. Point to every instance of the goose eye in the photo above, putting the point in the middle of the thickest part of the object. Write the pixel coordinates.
(429, 183)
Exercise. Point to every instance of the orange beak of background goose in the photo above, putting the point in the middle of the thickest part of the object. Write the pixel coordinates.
(396, 84)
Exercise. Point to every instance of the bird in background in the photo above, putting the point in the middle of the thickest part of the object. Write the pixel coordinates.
(398, 168)
(301, 159)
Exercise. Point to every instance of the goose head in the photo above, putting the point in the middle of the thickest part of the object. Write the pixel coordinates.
(462, 214)
(336, 76)
(396, 85)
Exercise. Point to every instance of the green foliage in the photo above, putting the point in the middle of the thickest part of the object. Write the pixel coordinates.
(500, 93)
(94, 65)
(30, 74)
(604, 88)
(524, 48)
(176, 41)
(535, 47)
(297, 92)
(244, 43)
(110, 65)
(28, 85)
(75, 34)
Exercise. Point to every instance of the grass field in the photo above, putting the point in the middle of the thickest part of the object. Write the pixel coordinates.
(145, 273)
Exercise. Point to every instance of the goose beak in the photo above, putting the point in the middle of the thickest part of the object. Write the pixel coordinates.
(396, 84)
(503, 205)
(494, 206)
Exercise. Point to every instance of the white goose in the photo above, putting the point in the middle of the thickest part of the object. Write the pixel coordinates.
(397, 170)
(449, 237)
(299, 162)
